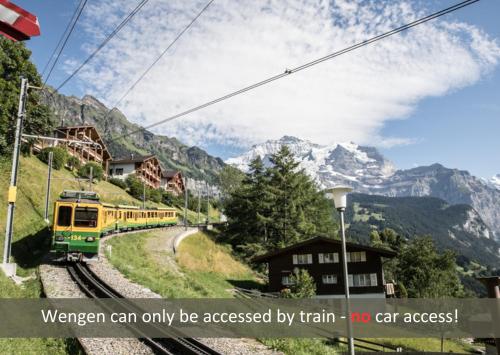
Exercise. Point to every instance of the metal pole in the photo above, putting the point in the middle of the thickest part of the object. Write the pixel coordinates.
(90, 178)
(199, 204)
(185, 205)
(15, 166)
(143, 195)
(346, 283)
(208, 203)
(47, 193)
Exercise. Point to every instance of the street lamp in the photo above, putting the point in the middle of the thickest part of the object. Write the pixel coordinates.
(339, 196)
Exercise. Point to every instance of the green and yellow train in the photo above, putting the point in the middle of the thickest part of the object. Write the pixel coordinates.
(81, 220)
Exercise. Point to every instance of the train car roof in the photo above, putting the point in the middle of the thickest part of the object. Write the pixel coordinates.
(94, 202)
(128, 207)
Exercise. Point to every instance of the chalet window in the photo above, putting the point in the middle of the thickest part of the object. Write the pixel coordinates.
(119, 171)
(301, 259)
(328, 258)
(329, 279)
(110, 171)
(362, 280)
(286, 280)
(356, 256)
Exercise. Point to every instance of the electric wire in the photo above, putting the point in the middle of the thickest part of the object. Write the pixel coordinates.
(65, 34)
(304, 66)
(104, 42)
(148, 69)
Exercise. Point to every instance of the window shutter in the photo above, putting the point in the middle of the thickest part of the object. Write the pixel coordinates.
(295, 262)
(363, 256)
(373, 279)
(335, 257)
(309, 258)
(320, 258)
(348, 257)
(350, 281)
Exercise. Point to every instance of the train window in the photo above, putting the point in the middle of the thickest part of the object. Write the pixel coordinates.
(85, 217)
(64, 216)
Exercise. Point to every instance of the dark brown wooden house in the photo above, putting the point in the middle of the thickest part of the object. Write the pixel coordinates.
(322, 258)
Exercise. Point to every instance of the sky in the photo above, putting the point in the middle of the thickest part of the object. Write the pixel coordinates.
(429, 95)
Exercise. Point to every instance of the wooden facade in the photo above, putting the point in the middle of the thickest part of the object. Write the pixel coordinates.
(322, 258)
(173, 182)
(83, 152)
(145, 168)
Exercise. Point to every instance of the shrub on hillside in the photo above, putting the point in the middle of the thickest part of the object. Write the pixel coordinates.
(59, 159)
(118, 182)
(155, 195)
(136, 187)
(97, 171)
(73, 163)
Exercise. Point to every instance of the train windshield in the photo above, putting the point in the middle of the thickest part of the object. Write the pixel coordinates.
(85, 217)
(64, 216)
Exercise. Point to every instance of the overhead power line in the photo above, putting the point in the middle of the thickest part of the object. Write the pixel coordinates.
(103, 43)
(159, 57)
(288, 72)
(64, 38)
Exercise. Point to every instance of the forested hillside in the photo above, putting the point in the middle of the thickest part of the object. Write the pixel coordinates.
(455, 227)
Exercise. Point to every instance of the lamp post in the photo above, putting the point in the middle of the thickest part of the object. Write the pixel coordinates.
(339, 196)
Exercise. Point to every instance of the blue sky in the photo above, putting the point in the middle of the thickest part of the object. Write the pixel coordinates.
(457, 125)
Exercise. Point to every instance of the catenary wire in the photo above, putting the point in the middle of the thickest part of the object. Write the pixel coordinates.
(66, 35)
(148, 69)
(63, 36)
(103, 43)
(305, 66)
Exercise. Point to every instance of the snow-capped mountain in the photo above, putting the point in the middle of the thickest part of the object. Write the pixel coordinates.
(368, 171)
(343, 163)
(495, 181)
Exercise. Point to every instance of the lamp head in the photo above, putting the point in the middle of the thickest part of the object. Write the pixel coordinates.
(339, 196)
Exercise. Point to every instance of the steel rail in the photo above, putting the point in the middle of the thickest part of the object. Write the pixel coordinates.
(94, 287)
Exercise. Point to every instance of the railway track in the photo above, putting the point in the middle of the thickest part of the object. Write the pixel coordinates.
(94, 287)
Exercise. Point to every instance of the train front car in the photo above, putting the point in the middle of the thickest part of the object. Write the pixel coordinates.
(77, 225)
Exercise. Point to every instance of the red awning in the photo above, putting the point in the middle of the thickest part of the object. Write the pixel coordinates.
(17, 23)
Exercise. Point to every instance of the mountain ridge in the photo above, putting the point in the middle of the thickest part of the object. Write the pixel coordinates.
(71, 110)
(368, 171)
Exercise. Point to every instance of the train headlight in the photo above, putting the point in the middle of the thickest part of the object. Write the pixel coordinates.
(90, 239)
(59, 238)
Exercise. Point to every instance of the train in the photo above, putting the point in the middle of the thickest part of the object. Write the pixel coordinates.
(81, 220)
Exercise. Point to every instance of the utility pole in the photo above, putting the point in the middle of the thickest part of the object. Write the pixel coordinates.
(208, 203)
(47, 193)
(91, 178)
(185, 204)
(199, 204)
(143, 195)
(10, 269)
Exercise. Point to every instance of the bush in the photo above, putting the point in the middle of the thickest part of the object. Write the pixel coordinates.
(155, 195)
(135, 187)
(59, 159)
(73, 163)
(97, 171)
(303, 285)
(118, 182)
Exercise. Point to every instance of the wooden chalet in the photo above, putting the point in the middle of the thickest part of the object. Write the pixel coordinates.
(71, 136)
(322, 258)
(173, 182)
(145, 168)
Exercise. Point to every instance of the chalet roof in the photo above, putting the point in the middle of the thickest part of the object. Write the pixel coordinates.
(264, 258)
(133, 159)
(169, 173)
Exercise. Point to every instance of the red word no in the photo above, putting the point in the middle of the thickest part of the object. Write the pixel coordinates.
(357, 317)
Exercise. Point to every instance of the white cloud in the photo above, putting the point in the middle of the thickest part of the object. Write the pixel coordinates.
(237, 43)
